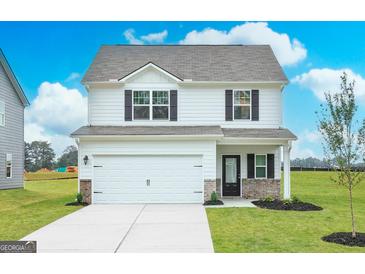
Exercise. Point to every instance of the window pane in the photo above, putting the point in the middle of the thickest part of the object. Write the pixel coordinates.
(260, 172)
(261, 160)
(160, 97)
(141, 97)
(242, 97)
(160, 113)
(2, 119)
(141, 113)
(241, 112)
(231, 170)
(8, 172)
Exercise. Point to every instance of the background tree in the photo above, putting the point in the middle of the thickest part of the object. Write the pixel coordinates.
(68, 158)
(343, 138)
(38, 154)
(28, 165)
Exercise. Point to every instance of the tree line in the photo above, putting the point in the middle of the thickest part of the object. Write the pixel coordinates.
(40, 154)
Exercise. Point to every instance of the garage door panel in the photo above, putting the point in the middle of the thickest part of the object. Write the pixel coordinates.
(172, 179)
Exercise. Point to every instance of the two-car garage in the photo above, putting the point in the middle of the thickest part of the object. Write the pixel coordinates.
(147, 179)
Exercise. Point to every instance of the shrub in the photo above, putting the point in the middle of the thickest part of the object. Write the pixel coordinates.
(79, 197)
(287, 201)
(269, 199)
(295, 199)
(214, 197)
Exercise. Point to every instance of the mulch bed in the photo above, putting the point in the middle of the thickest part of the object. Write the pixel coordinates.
(345, 238)
(280, 205)
(218, 202)
(76, 204)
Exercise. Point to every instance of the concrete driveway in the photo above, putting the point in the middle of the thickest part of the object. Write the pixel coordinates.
(128, 228)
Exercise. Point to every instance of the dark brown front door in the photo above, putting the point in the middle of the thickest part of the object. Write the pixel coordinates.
(231, 175)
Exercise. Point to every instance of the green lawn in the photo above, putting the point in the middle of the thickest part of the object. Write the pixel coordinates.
(262, 230)
(39, 203)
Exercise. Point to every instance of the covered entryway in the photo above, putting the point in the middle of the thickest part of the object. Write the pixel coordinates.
(148, 179)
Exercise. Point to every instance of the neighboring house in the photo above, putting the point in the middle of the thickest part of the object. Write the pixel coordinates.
(12, 104)
(172, 124)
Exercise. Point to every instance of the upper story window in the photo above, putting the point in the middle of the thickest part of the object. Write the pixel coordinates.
(261, 165)
(242, 104)
(150, 105)
(2, 113)
(9, 165)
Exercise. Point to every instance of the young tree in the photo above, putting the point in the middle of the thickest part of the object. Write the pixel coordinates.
(69, 157)
(344, 138)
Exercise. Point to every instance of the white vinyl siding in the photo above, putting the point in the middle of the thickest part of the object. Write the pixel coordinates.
(197, 105)
(12, 135)
(2, 113)
(247, 149)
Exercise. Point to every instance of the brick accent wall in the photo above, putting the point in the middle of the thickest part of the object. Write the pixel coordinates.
(209, 187)
(85, 190)
(260, 188)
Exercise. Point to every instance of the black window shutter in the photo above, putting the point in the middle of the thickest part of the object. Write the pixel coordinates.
(173, 105)
(229, 107)
(270, 166)
(250, 165)
(128, 105)
(255, 105)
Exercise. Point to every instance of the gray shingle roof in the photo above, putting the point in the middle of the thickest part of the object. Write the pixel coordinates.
(251, 63)
(249, 133)
(148, 130)
(279, 133)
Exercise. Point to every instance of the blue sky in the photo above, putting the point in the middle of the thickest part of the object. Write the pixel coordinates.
(48, 59)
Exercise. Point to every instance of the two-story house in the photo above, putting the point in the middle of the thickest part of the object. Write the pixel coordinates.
(173, 123)
(12, 104)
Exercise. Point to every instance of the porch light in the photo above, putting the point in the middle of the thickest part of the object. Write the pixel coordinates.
(86, 158)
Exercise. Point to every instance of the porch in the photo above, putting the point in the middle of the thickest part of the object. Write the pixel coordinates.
(249, 166)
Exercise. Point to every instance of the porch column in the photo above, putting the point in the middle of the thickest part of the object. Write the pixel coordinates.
(286, 158)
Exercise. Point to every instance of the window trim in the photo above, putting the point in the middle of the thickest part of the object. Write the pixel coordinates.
(2, 114)
(6, 165)
(261, 166)
(250, 105)
(151, 105)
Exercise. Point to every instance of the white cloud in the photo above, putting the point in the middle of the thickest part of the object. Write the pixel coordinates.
(150, 38)
(73, 76)
(300, 152)
(54, 114)
(308, 142)
(129, 36)
(288, 51)
(324, 80)
(158, 37)
(312, 136)
(33, 132)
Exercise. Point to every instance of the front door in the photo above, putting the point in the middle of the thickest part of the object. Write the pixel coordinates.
(231, 175)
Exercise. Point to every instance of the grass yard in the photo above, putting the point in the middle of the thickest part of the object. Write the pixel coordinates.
(263, 230)
(36, 176)
(23, 211)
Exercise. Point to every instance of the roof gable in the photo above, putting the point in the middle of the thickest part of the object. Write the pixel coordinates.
(151, 73)
(13, 79)
(198, 63)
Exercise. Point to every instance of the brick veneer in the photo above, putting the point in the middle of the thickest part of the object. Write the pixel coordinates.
(260, 188)
(85, 190)
(209, 187)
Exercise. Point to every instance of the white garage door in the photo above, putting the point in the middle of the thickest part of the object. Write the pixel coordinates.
(148, 179)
